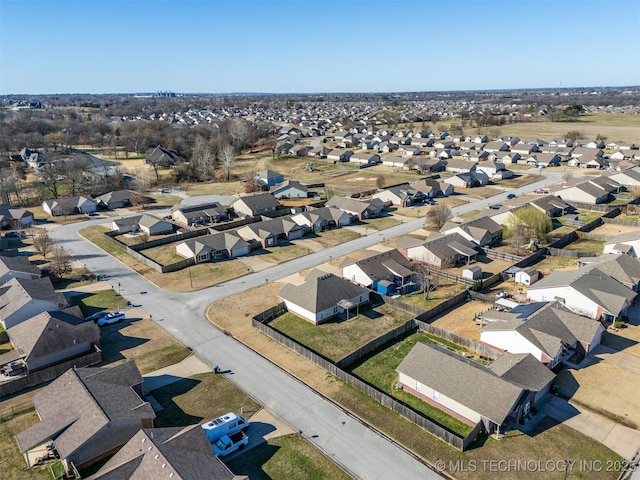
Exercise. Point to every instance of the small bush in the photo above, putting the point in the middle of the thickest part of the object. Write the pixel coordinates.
(619, 325)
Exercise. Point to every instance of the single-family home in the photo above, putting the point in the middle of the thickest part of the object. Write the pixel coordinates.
(503, 157)
(362, 209)
(21, 299)
(387, 272)
(468, 180)
(494, 170)
(543, 160)
(255, 205)
(524, 148)
(551, 205)
(69, 206)
(460, 166)
(587, 291)
(464, 389)
(426, 164)
(209, 248)
(323, 296)
(202, 214)
(365, 158)
(625, 243)
(551, 334)
(432, 188)
(395, 161)
(87, 414)
(289, 189)
(146, 223)
(116, 199)
(339, 155)
(497, 146)
(584, 192)
(401, 196)
(482, 231)
(17, 267)
(53, 337)
(269, 177)
(624, 268)
(317, 219)
(177, 453)
(440, 251)
(162, 157)
(15, 218)
(629, 177)
(270, 232)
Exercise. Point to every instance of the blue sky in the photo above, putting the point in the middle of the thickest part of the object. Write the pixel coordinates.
(222, 46)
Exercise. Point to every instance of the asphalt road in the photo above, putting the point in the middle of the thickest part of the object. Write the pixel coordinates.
(361, 451)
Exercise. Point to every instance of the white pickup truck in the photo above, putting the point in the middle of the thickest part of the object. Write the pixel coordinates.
(230, 443)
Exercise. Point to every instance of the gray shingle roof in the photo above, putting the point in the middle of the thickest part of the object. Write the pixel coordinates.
(383, 264)
(523, 370)
(623, 268)
(17, 264)
(18, 292)
(217, 241)
(462, 380)
(259, 202)
(353, 205)
(321, 291)
(183, 451)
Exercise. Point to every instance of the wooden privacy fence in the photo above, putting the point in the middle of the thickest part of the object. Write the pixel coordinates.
(558, 252)
(480, 348)
(491, 253)
(618, 221)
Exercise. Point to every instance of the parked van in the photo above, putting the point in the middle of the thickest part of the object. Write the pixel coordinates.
(227, 424)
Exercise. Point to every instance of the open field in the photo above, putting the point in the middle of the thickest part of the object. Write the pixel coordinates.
(197, 276)
(337, 338)
(552, 442)
(285, 458)
(200, 398)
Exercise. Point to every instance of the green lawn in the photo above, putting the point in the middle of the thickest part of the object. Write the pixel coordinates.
(283, 253)
(380, 371)
(289, 457)
(91, 303)
(334, 237)
(337, 339)
(586, 245)
(447, 290)
(200, 398)
(381, 223)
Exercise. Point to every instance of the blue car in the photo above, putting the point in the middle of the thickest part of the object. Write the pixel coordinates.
(511, 195)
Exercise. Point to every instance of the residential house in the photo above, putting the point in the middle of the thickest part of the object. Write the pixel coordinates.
(15, 218)
(432, 188)
(494, 170)
(401, 196)
(551, 205)
(269, 177)
(142, 223)
(498, 146)
(255, 205)
(468, 180)
(426, 164)
(587, 291)
(120, 199)
(339, 155)
(589, 192)
(322, 297)
(270, 232)
(524, 149)
(439, 251)
(22, 299)
(209, 248)
(317, 219)
(33, 159)
(628, 178)
(365, 158)
(482, 231)
(289, 189)
(178, 453)
(52, 337)
(462, 388)
(388, 273)
(17, 267)
(202, 214)
(624, 243)
(395, 161)
(362, 209)
(543, 160)
(87, 414)
(504, 157)
(523, 370)
(162, 157)
(460, 166)
(69, 206)
(624, 268)
(409, 150)
(561, 142)
(552, 333)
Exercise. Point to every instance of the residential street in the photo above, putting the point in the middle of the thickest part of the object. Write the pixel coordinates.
(359, 450)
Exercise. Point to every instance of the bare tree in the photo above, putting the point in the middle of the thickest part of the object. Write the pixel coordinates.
(380, 181)
(566, 177)
(43, 243)
(517, 232)
(74, 171)
(227, 157)
(252, 184)
(60, 263)
(239, 133)
(438, 215)
(51, 175)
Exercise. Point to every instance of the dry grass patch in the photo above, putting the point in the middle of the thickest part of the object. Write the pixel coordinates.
(612, 230)
(462, 320)
(586, 245)
(555, 263)
(164, 254)
(334, 237)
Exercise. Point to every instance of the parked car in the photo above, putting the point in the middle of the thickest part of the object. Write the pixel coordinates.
(113, 317)
(14, 235)
(495, 206)
(540, 190)
(96, 316)
(511, 195)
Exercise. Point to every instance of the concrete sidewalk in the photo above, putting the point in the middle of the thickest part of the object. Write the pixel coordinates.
(192, 365)
(623, 440)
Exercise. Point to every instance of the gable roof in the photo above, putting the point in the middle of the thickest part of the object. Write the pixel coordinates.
(116, 196)
(523, 370)
(17, 264)
(217, 241)
(352, 205)
(268, 174)
(321, 291)
(476, 228)
(17, 292)
(258, 202)
(383, 264)
(204, 209)
(182, 452)
(80, 402)
(462, 380)
(623, 268)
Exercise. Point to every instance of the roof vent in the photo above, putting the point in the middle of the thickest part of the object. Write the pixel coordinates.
(164, 465)
(150, 448)
(157, 456)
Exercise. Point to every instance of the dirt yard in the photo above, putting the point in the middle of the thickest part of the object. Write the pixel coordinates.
(462, 320)
(613, 230)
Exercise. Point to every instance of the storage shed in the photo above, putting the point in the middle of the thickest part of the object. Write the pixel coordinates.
(473, 272)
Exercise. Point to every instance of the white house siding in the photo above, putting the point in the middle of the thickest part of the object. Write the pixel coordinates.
(184, 250)
(609, 247)
(511, 341)
(31, 309)
(448, 403)
(421, 254)
(576, 195)
(572, 299)
(88, 207)
(387, 196)
(240, 250)
(306, 314)
(355, 274)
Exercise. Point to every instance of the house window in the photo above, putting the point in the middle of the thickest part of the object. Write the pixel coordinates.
(203, 257)
(436, 396)
(418, 386)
